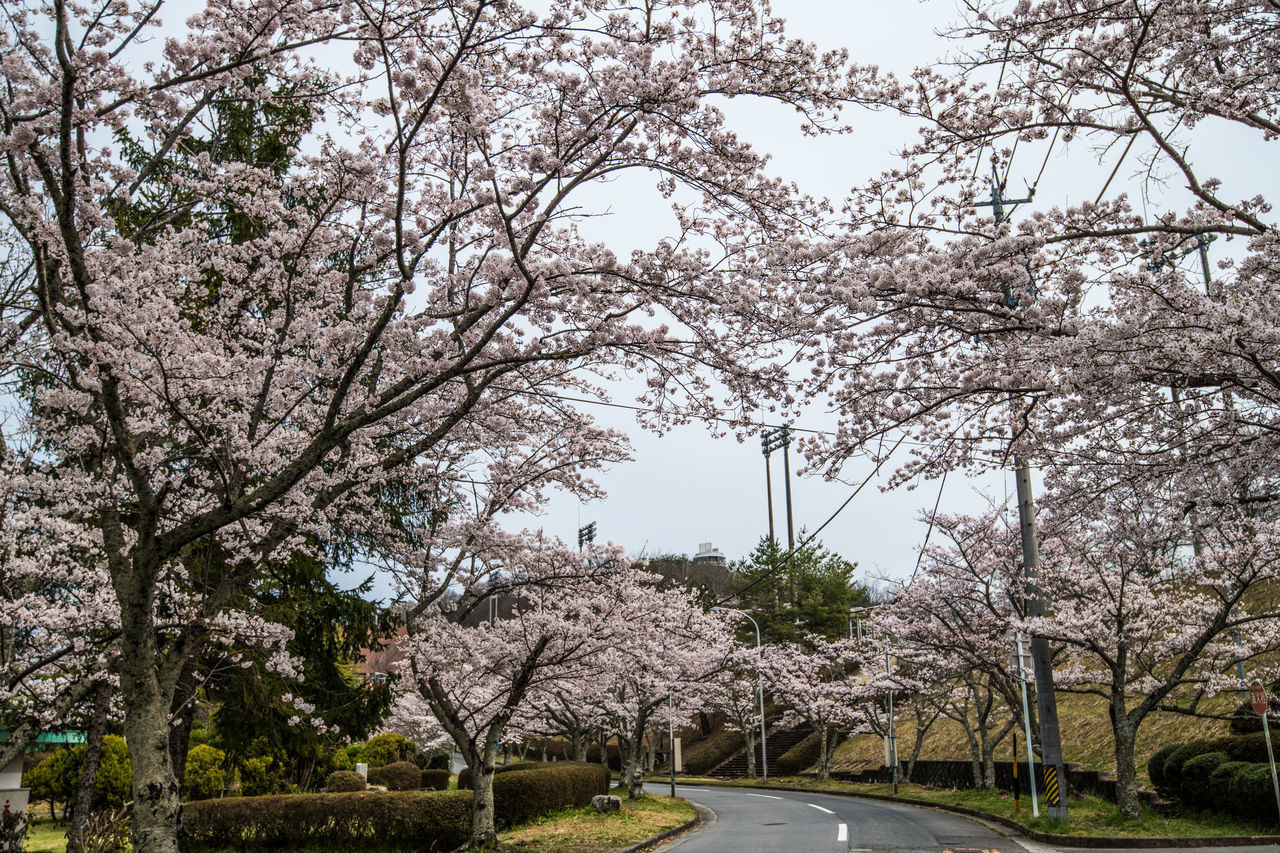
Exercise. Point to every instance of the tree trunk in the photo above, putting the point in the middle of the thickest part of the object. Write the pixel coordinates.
(651, 756)
(483, 833)
(182, 714)
(579, 740)
(89, 772)
(631, 750)
(604, 750)
(157, 805)
(750, 733)
(824, 763)
(1126, 734)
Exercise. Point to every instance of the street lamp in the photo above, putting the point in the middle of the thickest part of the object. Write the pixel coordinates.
(764, 751)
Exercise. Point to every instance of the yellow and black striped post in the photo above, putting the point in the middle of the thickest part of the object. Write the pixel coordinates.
(1051, 785)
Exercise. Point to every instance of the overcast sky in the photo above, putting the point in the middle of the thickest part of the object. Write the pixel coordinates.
(688, 487)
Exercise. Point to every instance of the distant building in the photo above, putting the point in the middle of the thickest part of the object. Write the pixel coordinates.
(707, 554)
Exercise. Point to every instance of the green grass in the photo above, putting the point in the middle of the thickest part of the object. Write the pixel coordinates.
(584, 830)
(1090, 816)
(1086, 736)
(45, 836)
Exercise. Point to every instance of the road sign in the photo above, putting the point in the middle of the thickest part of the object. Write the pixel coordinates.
(1258, 697)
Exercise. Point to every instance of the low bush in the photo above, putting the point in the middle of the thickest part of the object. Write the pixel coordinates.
(366, 821)
(1155, 770)
(383, 820)
(397, 776)
(206, 774)
(436, 780)
(464, 777)
(1251, 792)
(800, 757)
(522, 795)
(1193, 785)
(1220, 782)
(438, 759)
(704, 756)
(1178, 757)
(344, 782)
(386, 748)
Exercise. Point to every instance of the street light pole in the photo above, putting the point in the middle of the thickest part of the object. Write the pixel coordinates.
(764, 750)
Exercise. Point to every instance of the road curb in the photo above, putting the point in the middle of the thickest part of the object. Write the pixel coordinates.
(667, 835)
(1102, 842)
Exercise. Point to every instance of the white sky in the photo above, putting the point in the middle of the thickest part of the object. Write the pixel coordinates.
(688, 487)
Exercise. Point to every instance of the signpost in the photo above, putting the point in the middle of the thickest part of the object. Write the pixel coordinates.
(1259, 699)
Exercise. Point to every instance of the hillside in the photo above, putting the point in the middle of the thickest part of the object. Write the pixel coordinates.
(1086, 736)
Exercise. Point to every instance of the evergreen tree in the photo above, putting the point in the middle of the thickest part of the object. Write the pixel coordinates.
(809, 593)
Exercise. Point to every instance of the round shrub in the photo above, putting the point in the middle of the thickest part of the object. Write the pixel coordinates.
(436, 780)
(57, 778)
(397, 776)
(439, 760)
(344, 781)
(1155, 769)
(1193, 787)
(1251, 792)
(1220, 784)
(386, 748)
(1178, 757)
(205, 777)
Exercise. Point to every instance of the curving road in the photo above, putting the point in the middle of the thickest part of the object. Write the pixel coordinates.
(766, 822)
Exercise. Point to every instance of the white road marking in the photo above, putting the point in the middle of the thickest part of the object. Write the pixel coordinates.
(842, 834)
(683, 788)
(766, 796)
(819, 808)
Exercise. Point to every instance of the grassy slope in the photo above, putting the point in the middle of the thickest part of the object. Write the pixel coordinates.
(1086, 736)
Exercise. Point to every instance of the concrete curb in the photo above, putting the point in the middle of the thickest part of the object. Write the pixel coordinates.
(1102, 842)
(667, 835)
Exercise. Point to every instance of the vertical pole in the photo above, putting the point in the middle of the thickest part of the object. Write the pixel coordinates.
(1271, 757)
(1046, 700)
(1203, 245)
(671, 742)
(786, 473)
(1026, 721)
(764, 749)
(768, 494)
(893, 739)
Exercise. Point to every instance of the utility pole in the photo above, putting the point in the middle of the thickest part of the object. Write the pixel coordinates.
(1055, 778)
(1046, 699)
(768, 480)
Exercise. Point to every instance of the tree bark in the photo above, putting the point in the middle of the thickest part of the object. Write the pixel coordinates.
(631, 749)
(89, 772)
(484, 835)
(579, 740)
(750, 733)
(1126, 735)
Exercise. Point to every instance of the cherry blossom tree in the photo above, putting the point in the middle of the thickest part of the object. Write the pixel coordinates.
(1146, 623)
(735, 693)
(672, 650)
(253, 355)
(824, 687)
(475, 680)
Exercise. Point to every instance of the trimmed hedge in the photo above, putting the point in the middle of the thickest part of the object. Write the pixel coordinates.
(1193, 784)
(383, 820)
(1178, 757)
(397, 776)
(1155, 769)
(800, 757)
(344, 782)
(1251, 792)
(436, 780)
(1220, 780)
(521, 795)
(368, 820)
(464, 776)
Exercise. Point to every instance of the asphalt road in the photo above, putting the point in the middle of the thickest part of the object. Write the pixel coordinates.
(766, 822)
(756, 821)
